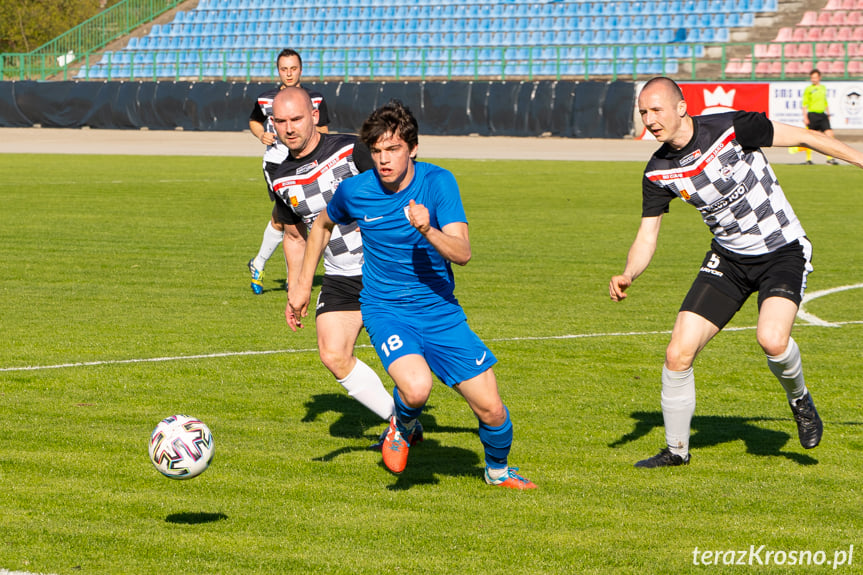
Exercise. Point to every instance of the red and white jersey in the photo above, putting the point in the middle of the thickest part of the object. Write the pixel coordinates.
(307, 185)
(725, 175)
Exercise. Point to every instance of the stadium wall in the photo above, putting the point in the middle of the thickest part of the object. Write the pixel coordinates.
(588, 109)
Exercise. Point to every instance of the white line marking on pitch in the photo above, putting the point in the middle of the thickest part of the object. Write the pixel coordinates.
(314, 350)
(807, 297)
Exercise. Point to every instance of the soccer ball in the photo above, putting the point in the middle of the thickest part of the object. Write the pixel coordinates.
(181, 447)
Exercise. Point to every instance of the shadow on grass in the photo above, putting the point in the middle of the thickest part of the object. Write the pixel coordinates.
(428, 458)
(714, 430)
(192, 518)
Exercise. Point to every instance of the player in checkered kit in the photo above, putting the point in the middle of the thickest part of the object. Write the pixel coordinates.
(715, 163)
(281, 229)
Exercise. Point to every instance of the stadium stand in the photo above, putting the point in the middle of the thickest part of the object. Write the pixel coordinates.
(828, 39)
(377, 39)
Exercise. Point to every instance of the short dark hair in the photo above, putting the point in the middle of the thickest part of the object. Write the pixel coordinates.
(289, 52)
(815, 71)
(392, 118)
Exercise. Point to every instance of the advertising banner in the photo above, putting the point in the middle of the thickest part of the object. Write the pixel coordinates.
(843, 99)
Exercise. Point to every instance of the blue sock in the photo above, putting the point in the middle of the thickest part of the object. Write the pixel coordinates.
(403, 412)
(497, 442)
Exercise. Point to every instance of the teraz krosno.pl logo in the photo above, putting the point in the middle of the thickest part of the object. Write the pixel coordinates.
(763, 555)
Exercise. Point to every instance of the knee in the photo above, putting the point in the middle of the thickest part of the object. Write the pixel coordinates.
(678, 358)
(414, 395)
(339, 363)
(773, 342)
(492, 415)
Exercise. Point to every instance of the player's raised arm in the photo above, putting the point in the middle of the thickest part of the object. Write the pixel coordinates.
(785, 135)
(640, 254)
(316, 243)
(452, 242)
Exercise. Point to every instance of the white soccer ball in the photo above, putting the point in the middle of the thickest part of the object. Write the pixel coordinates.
(181, 447)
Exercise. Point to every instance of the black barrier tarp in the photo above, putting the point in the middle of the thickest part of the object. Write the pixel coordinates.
(489, 108)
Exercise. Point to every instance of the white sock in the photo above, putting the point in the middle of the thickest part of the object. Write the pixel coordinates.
(788, 369)
(272, 240)
(494, 473)
(364, 385)
(678, 406)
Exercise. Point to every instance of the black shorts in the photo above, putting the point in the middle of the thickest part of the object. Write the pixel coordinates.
(726, 280)
(339, 293)
(818, 121)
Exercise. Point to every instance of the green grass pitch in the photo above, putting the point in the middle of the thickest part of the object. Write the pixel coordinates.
(124, 298)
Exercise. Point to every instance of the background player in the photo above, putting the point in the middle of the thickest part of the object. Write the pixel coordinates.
(315, 165)
(283, 225)
(715, 163)
(816, 110)
(413, 225)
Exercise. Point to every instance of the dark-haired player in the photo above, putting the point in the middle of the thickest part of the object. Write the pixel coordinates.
(413, 227)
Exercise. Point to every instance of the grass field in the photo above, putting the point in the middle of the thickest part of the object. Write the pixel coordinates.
(124, 298)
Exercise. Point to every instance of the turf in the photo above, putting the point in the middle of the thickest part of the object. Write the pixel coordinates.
(109, 262)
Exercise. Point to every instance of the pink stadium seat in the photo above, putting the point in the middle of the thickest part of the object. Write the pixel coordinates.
(858, 34)
(855, 50)
(784, 35)
(837, 50)
(800, 34)
(844, 33)
(803, 51)
(810, 18)
(854, 18)
(834, 5)
(824, 19)
(838, 18)
(828, 33)
(815, 33)
(732, 68)
(768, 51)
(855, 67)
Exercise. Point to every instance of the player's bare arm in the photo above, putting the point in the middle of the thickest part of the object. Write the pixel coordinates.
(316, 242)
(452, 242)
(294, 245)
(258, 130)
(639, 257)
(785, 135)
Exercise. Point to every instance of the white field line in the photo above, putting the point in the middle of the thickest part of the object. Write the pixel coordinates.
(802, 314)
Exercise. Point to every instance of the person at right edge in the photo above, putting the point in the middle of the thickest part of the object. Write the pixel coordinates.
(715, 164)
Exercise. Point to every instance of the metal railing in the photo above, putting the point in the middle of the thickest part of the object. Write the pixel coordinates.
(53, 58)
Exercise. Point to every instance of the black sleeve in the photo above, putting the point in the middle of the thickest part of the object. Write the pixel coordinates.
(257, 114)
(654, 199)
(362, 157)
(323, 114)
(753, 130)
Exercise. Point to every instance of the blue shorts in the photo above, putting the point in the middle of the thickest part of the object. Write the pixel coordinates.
(452, 350)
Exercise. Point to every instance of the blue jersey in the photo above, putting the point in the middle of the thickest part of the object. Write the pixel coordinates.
(401, 267)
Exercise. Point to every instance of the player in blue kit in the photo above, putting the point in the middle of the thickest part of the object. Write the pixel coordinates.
(413, 227)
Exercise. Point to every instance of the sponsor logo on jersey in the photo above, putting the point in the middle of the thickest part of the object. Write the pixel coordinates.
(686, 160)
(307, 168)
(481, 360)
(294, 201)
(738, 193)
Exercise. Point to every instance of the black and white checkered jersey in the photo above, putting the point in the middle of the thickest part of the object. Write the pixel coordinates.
(308, 184)
(262, 112)
(725, 175)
